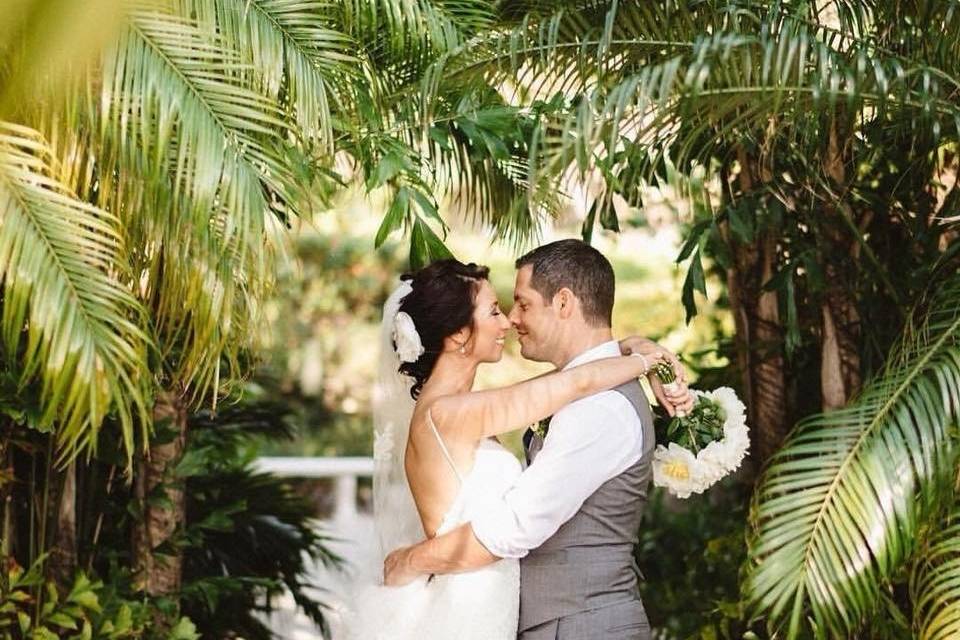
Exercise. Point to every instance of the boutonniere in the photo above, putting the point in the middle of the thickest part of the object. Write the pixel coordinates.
(542, 427)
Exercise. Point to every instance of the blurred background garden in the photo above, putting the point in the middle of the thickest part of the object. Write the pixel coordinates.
(204, 204)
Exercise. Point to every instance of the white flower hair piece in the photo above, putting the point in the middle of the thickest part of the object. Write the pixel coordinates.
(405, 337)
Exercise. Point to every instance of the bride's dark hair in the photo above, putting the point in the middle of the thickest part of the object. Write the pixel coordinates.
(441, 303)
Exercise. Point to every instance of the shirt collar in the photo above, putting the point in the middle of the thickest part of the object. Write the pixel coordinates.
(609, 349)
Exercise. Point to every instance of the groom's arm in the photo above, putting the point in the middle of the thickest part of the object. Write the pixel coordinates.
(590, 441)
(453, 552)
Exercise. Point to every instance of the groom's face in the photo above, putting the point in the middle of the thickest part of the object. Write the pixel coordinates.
(534, 319)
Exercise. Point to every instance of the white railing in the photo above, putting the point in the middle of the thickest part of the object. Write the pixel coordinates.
(344, 472)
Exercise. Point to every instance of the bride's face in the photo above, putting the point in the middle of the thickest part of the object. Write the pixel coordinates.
(490, 326)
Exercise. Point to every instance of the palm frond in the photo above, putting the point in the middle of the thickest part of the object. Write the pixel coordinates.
(61, 260)
(577, 48)
(838, 510)
(196, 162)
(296, 50)
(46, 41)
(687, 78)
(737, 82)
(411, 32)
(174, 87)
(935, 583)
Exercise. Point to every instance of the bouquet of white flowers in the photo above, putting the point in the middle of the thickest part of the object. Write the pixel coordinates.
(704, 446)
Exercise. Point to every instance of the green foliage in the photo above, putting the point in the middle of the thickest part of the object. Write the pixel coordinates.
(249, 536)
(935, 581)
(174, 161)
(703, 425)
(93, 358)
(690, 553)
(142, 200)
(32, 608)
(840, 509)
(317, 354)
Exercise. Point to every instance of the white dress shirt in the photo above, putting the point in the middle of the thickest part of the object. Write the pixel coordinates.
(589, 442)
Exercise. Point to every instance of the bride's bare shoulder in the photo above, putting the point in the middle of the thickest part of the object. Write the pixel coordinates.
(422, 421)
(438, 416)
(434, 411)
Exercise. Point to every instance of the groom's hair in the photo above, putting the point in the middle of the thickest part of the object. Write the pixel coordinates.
(579, 267)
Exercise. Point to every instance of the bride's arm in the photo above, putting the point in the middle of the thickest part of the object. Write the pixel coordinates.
(671, 399)
(453, 552)
(481, 414)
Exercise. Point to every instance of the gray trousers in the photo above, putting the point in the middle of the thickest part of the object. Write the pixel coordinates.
(622, 621)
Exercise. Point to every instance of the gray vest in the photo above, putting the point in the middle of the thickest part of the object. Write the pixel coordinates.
(588, 563)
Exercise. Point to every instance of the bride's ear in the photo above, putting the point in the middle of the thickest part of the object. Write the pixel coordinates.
(459, 341)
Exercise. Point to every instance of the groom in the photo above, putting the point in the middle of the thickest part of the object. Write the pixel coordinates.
(573, 515)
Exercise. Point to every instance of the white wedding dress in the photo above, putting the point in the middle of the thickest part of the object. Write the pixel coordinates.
(477, 605)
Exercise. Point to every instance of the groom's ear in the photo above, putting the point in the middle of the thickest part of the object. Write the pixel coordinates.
(564, 302)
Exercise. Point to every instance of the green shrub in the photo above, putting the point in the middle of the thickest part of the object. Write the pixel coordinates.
(32, 608)
(249, 535)
(690, 553)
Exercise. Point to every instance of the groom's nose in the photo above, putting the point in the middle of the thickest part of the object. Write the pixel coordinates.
(514, 316)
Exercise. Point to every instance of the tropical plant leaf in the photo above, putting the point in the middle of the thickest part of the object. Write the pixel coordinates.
(935, 582)
(839, 509)
(686, 79)
(407, 35)
(67, 320)
(296, 50)
(188, 139)
(227, 145)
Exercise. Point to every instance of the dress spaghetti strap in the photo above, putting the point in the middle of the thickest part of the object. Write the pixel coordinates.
(443, 447)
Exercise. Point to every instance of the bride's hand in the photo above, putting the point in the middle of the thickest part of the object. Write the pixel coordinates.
(396, 569)
(647, 347)
(677, 398)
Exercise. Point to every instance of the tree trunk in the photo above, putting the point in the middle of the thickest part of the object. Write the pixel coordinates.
(840, 376)
(63, 556)
(840, 318)
(759, 333)
(769, 377)
(8, 532)
(161, 499)
(759, 338)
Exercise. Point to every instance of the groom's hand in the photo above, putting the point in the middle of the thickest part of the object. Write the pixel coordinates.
(397, 570)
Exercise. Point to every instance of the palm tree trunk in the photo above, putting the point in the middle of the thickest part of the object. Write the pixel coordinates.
(769, 377)
(840, 319)
(162, 501)
(8, 532)
(759, 344)
(840, 376)
(63, 556)
(759, 332)
(944, 188)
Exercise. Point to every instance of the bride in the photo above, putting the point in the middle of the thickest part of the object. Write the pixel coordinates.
(436, 453)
